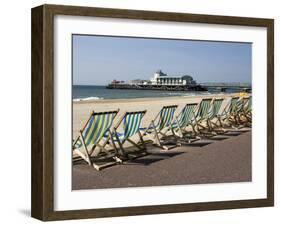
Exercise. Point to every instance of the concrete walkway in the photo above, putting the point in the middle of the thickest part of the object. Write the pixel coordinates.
(218, 160)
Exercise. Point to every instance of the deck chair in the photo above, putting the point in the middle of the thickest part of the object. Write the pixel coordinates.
(225, 118)
(201, 116)
(247, 111)
(160, 126)
(183, 120)
(91, 137)
(131, 126)
(244, 115)
(213, 115)
(236, 115)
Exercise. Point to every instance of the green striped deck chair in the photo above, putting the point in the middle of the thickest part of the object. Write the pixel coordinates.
(131, 122)
(248, 109)
(183, 120)
(245, 113)
(201, 115)
(161, 125)
(213, 113)
(226, 117)
(237, 111)
(91, 137)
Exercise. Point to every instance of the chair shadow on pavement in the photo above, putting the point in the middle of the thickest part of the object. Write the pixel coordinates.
(151, 158)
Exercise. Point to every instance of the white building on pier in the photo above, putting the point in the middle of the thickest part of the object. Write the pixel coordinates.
(160, 78)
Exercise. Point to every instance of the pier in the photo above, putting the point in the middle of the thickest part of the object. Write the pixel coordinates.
(223, 87)
(156, 87)
(162, 81)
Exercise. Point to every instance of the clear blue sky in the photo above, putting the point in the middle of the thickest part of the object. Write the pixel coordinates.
(98, 59)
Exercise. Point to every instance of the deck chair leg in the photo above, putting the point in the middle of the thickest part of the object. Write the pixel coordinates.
(115, 148)
(100, 167)
(159, 143)
(133, 143)
(142, 141)
(180, 129)
(85, 156)
(121, 147)
(156, 136)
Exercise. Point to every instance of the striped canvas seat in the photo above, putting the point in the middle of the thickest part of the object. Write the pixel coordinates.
(213, 116)
(247, 106)
(183, 121)
(215, 108)
(245, 113)
(232, 106)
(203, 109)
(201, 116)
(165, 119)
(97, 127)
(248, 110)
(130, 123)
(230, 117)
(161, 125)
(239, 105)
(185, 117)
(229, 108)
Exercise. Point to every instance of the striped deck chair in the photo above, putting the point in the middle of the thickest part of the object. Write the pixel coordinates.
(91, 137)
(183, 120)
(245, 113)
(201, 116)
(248, 110)
(213, 115)
(131, 126)
(237, 111)
(160, 126)
(226, 118)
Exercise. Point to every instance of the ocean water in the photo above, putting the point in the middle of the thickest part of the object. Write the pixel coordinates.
(80, 93)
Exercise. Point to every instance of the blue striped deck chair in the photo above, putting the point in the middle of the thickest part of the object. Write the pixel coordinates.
(160, 126)
(201, 115)
(131, 122)
(183, 120)
(92, 137)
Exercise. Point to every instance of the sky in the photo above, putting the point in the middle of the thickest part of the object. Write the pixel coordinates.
(97, 60)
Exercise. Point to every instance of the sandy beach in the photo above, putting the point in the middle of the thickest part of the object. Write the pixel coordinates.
(83, 109)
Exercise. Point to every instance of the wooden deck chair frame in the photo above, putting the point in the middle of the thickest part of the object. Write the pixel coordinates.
(141, 147)
(153, 132)
(87, 154)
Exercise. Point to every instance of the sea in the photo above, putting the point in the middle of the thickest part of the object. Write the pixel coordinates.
(82, 93)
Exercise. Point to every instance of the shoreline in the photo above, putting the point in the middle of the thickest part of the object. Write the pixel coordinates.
(141, 99)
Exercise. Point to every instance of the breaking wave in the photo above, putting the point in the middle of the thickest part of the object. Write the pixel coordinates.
(87, 98)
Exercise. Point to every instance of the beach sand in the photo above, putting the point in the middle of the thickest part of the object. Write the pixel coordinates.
(83, 109)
